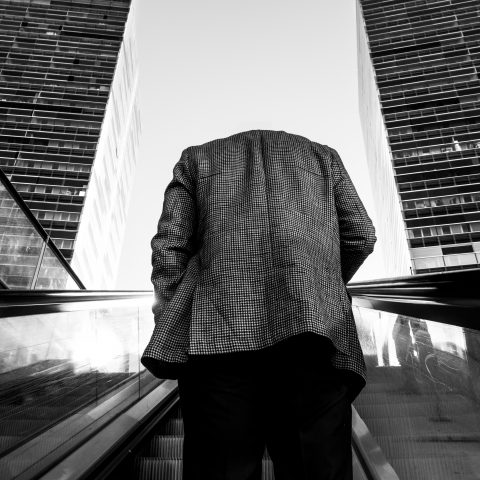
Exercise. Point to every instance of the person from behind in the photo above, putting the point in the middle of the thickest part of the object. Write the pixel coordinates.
(260, 233)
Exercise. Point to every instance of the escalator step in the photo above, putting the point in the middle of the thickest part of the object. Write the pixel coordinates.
(171, 447)
(442, 447)
(176, 412)
(173, 426)
(148, 468)
(424, 385)
(267, 470)
(467, 424)
(432, 468)
(449, 405)
(385, 374)
(380, 398)
(166, 447)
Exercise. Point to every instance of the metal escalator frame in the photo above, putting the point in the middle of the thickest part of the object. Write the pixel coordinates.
(369, 453)
(108, 447)
(84, 426)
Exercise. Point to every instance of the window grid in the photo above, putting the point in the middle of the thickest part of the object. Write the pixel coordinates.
(57, 62)
(426, 58)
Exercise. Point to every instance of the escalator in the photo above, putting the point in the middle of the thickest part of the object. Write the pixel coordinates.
(75, 402)
(160, 455)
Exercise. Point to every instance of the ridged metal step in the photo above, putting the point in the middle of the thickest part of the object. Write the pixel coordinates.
(467, 423)
(448, 405)
(442, 447)
(149, 468)
(166, 447)
(171, 447)
(379, 398)
(162, 457)
(432, 468)
(173, 426)
(426, 387)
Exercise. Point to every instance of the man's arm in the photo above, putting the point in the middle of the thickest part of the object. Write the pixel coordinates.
(174, 243)
(357, 233)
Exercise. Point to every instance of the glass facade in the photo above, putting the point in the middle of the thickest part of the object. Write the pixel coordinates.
(28, 257)
(69, 123)
(425, 60)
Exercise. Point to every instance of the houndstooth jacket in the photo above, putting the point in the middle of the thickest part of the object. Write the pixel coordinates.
(260, 232)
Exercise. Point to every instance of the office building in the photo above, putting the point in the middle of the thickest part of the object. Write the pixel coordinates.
(69, 123)
(419, 89)
(29, 259)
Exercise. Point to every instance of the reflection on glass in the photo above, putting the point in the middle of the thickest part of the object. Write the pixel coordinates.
(21, 247)
(20, 244)
(52, 274)
(54, 366)
(422, 400)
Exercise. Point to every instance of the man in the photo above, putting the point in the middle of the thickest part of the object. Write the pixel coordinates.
(260, 232)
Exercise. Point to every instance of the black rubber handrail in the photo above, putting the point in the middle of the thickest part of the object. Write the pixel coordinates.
(447, 297)
(14, 303)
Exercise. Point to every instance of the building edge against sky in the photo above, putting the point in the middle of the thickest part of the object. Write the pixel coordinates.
(424, 62)
(99, 241)
(390, 225)
(70, 125)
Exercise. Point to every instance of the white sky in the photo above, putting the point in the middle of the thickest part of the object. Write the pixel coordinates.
(214, 68)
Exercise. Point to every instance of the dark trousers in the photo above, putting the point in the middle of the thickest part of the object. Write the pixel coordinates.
(287, 398)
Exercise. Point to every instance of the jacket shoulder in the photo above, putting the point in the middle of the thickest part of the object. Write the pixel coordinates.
(246, 136)
(241, 143)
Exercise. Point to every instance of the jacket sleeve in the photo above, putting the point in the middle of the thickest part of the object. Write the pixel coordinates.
(174, 243)
(357, 233)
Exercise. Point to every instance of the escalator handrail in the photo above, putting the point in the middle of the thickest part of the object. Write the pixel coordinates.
(447, 297)
(15, 303)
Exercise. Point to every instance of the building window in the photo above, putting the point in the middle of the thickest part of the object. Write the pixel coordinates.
(461, 259)
(428, 262)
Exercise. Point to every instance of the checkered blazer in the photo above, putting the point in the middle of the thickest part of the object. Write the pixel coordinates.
(260, 232)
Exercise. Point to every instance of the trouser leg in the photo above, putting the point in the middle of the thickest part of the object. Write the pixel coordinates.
(308, 415)
(223, 432)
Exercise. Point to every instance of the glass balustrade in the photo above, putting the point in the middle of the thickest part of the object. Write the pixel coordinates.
(64, 375)
(422, 400)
